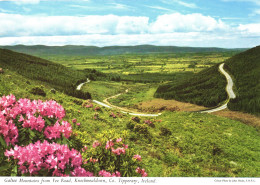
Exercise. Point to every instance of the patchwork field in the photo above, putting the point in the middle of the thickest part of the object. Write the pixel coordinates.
(148, 63)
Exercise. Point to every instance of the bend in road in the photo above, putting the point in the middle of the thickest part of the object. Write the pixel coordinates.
(229, 89)
(123, 110)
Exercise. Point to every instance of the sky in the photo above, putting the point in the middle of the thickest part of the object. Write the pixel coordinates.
(196, 23)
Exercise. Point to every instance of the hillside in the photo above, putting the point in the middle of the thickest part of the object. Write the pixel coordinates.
(173, 145)
(205, 88)
(208, 87)
(245, 69)
(55, 75)
(39, 50)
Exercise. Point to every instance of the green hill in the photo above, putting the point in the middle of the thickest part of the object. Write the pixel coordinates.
(55, 75)
(245, 70)
(208, 87)
(40, 50)
(175, 144)
(205, 88)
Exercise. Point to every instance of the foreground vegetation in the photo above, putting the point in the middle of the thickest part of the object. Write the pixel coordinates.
(173, 144)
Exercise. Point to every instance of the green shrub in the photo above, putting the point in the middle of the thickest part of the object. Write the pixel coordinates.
(38, 91)
(165, 131)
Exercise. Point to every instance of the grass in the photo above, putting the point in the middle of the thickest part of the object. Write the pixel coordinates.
(139, 63)
(137, 93)
(180, 144)
(100, 90)
(176, 144)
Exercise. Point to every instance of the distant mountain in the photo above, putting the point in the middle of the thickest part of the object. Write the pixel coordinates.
(55, 75)
(208, 87)
(39, 50)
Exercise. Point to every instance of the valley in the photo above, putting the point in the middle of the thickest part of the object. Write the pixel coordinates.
(174, 86)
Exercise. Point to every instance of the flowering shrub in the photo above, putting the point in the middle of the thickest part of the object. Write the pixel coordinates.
(89, 106)
(97, 108)
(96, 115)
(27, 121)
(34, 136)
(112, 115)
(111, 157)
(149, 123)
(48, 159)
(136, 119)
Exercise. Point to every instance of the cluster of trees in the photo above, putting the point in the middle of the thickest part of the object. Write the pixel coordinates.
(205, 88)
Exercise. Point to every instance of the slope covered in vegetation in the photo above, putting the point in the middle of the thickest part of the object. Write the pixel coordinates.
(205, 88)
(56, 75)
(174, 144)
(245, 70)
(208, 87)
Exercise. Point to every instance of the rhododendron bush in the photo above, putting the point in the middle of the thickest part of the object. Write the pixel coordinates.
(36, 141)
(110, 153)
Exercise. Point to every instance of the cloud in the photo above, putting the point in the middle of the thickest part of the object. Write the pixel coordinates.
(159, 8)
(20, 2)
(257, 2)
(168, 29)
(177, 22)
(5, 11)
(119, 6)
(182, 3)
(24, 25)
(250, 29)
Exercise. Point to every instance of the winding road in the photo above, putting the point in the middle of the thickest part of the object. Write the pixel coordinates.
(229, 89)
(123, 110)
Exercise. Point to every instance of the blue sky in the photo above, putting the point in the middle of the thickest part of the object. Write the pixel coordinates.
(202, 23)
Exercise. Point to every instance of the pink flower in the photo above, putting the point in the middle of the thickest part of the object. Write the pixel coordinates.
(138, 170)
(141, 171)
(89, 106)
(78, 124)
(119, 140)
(104, 173)
(47, 156)
(74, 120)
(21, 118)
(144, 174)
(93, 160)
(118, 151)
(116, 174)
(81, 172)
(109, 144)
(137, 157)
(126, 146)
(97, 109)
(96, 144)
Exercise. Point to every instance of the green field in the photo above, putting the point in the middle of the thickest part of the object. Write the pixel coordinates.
(148, 63)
